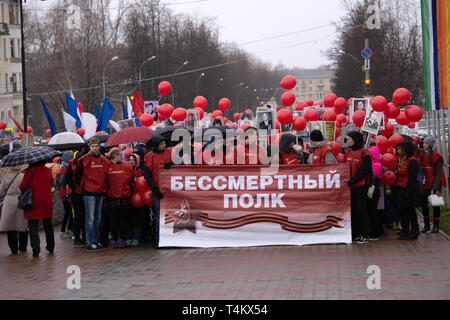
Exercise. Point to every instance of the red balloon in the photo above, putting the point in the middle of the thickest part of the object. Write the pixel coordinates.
(392, 110)
(278, 108)
(340, 158)
(277, 124)
(128, 153)
(299, 124)
(395, 139)
(329, 99)
(359, 117)
(337, 132)
(341, 118)
(164, 88)
(379, 103)
(340, 104)
(300, 106)
(20, 134)
(414, 113)
(179, 114)
(388, 129)
(336, 148)
(200, 102)
(142, 185)
(236, 116)
(2, 125)
(244, 126)
(401, 96)
(287, 99)
(388, 160)
(318, 103)
(234, 125)
(224, 104)
(402, 119)
(311, 115)
(29, 129)
(148, 200)
(165, 110)
(388, 178)
(412, 125)
(137, 201)
(329, 115)
(201, 111)
(81, 132)
(146, 120)
(48, 132)
(216, 114)
(284, 116)
(390, 150)
(161, 117)
(382, 143)
(310, 102)
(48, 140)
(288, 83)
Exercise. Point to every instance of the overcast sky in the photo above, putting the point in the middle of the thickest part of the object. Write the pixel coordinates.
(244, 21)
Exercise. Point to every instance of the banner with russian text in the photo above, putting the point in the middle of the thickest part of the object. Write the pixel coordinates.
(242, 206)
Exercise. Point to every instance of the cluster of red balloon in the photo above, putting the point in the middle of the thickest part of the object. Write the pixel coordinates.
(142, 195)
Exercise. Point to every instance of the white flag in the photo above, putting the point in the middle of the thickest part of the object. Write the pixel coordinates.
(115, 125)
(89, 124)
(69, 122)
(129, 108)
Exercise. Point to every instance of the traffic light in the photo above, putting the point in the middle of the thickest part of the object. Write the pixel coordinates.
(367, 84)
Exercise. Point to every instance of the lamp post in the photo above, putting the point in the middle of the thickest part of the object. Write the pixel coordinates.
(140, 69)
(198, 81)
(173, 80)
(104, 70)
(348, 54)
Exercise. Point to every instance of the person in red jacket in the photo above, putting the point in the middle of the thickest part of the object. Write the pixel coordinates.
(432, 165)
(90, 175)
(323, 153)
(360, 161)
(408, 190)
(251, 152)
(41, 180)
(159, 157)
(214, 152)
(119, 180)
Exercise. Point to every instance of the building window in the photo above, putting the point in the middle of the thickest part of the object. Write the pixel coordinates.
(13, 48)
(14, 82)
(3, 13)
(5, 49)
(12, 16)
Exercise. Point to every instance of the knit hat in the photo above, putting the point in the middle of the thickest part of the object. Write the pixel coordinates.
(94, 140)
(429, 141)
(316, 135)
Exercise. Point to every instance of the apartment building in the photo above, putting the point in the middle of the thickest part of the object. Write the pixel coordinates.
(312, 84)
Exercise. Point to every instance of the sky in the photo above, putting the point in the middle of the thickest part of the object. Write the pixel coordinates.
(249, 22)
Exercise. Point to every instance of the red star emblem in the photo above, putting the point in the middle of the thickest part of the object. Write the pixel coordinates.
(185, 218)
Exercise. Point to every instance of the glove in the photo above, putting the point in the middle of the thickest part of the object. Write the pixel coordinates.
(168, 165)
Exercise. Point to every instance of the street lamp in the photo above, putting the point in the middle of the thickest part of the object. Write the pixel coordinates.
(173, 80)
(352, 56)
(239, 93)
(104, 70)
(140, 69)
(198, 81)
(231, 90)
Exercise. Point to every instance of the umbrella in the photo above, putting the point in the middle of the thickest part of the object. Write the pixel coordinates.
(129, 135)
(6, 148)
(29, 155)
(66, 141)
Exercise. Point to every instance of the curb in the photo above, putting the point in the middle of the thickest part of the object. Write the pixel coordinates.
(446, 236)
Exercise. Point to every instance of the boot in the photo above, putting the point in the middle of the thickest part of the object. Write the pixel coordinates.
(435, 226)
(426, 228)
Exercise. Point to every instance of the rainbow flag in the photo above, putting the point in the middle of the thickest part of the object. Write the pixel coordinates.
(436, 52)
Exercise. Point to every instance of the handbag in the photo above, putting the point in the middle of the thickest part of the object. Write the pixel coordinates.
(26, 199)
(435, 200)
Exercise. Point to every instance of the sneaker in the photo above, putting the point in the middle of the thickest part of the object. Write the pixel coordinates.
(123, 244)
(361, 239)
(78, 244)
(129, 243)
(100, 246)
(115, 245)
(435, 229)
(373, 238)
(135, 243)
(94, 248)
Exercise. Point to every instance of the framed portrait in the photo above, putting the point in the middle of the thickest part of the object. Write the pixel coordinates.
(192, 119)
(346, 128)
(151, 107)
(359, 104)
(251, 123)
(269, 105)
(265, 121)
(372, 121)
(126, 123)
(326, 127)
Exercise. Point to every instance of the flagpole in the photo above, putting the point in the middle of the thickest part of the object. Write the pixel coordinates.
(24, 82)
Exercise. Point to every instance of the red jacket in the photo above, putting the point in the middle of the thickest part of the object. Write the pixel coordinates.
(41, 186)
(289, 158)
(403, 174)
(155, 161)
(355, 159)
(429, 169)
(95, 172)
(319, 155)
(119, 178)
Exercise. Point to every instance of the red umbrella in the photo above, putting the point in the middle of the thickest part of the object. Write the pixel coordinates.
(129, 135)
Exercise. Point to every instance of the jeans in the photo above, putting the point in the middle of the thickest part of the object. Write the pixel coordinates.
(93, 207)
(79, 219)
(33, 227)
(17, 241)
(157, 203)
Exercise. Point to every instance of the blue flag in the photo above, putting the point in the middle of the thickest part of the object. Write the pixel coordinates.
(51, 123)
(136, 120)
(125, 112)
(72, 107)
(107, 112)
(98, 115)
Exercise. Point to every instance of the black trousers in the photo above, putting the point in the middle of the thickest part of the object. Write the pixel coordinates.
(359, 212)
(17, 241)
(426, 210)
(79, 217)
(409, 221)
(375, 218)
(119, 211)
(105, 224)
(33, 227)
(67, 220)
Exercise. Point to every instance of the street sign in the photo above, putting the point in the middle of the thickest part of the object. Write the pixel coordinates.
(367, 65)
(366, 53)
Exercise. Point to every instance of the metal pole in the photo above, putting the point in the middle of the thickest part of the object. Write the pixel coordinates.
(24, 82)
(427, 114)
(445, 154)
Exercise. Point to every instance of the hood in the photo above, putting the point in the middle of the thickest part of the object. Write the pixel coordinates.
(286, 140)
(408, 146)
(358, 139)
(156, 140)
(375, 151)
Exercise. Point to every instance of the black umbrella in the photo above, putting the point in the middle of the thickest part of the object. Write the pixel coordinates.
(29, 156)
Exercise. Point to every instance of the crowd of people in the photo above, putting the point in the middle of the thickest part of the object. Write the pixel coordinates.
(95, 186)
